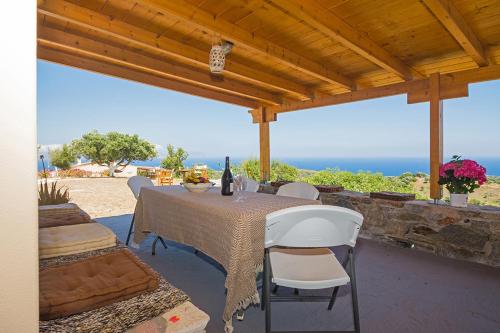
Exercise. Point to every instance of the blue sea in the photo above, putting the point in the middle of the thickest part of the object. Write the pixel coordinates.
(388, 166)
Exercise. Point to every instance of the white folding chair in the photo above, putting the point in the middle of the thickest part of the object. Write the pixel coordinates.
(297, 253)
(298, 190)
(135, 184)
(250, 185)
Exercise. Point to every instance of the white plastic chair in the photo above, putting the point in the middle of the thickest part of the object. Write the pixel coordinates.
(298, 190)
(135, 184)
(297, 253)
(250, 185)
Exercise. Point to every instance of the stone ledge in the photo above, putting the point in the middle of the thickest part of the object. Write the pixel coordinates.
(471, 233)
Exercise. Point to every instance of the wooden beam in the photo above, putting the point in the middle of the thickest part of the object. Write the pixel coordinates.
(150, 41)
(124, 57)
(80, 62)
(420, 92)
(436, 136)
(452, 20)
(452, 86)
(322, 19)
(488, 73)
(232, 32)
(260, 115)
(265, 152)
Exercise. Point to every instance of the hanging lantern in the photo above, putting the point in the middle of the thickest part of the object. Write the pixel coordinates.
(217, 58)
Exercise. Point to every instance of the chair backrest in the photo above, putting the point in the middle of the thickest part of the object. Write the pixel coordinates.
(313, 226)
(298, 190)
(250, 185)
(201, 170)
(166, 173)
(136, 182)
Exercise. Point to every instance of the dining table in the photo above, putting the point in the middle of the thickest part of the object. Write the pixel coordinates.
(229, 229)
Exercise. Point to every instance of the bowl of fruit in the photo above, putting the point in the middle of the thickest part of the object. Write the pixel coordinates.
(197, 184)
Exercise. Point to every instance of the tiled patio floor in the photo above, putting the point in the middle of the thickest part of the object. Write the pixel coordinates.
(400, 290)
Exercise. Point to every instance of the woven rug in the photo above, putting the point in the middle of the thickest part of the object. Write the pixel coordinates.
(117, 317)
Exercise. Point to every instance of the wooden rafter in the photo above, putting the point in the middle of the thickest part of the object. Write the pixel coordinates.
(170, 47)
(80, 62)
(127, 58)
(96, 66)
(451, 86)
(320, 18)
(452, 20)
(232, 32)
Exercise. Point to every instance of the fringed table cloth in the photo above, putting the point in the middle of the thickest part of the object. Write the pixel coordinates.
(230, 229)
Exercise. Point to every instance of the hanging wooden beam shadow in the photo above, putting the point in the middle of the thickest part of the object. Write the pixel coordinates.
(232, 32)
(452, 20)
(436, 136)
(60, 39)
(96, 66)
(322, 19)
(150, 41)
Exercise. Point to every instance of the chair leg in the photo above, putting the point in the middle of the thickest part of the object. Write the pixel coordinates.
(275, 289)
(267, 284)
(163, 242)
(153, 250)
(334, 296)
(264, 286)
(354, 292)
(130, 229)
(158, 238)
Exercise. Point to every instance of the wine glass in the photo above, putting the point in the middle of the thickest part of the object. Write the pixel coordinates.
(238, 187)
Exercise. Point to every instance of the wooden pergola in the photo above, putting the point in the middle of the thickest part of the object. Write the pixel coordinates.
(287, 55)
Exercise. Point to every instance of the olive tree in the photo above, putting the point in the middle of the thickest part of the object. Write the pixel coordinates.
(175, 159)
(113, 150)
(62, 157)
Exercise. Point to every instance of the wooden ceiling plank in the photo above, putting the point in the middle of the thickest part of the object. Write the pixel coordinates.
(237, 35)
(123, 57)
(170, 47)
(320, 18)
(138, 76)
(452, 20)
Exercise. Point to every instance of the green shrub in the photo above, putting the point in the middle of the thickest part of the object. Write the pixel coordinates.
(279, 171)
(249, 168)
(214, 174)
(63, 157)
(494, 179)
(283, 172)
(175, 159)
(361, 181)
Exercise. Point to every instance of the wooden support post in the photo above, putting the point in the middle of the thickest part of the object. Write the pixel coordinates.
(265, 153)
(436, 135)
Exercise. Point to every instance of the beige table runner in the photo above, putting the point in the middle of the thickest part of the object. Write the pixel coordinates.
(228, 229)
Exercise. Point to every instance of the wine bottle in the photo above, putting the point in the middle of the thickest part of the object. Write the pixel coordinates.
(227, 180)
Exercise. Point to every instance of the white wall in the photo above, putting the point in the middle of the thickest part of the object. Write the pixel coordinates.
(18, 205)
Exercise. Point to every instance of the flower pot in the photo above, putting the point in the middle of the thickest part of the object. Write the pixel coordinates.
(458, 199)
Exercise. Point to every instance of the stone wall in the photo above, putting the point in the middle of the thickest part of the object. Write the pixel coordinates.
(471, 233)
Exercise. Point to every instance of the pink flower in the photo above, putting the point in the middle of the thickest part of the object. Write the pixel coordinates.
(465, 169)
(445, 167)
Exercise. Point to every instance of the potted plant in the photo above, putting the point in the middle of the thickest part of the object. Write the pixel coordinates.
(461, 177)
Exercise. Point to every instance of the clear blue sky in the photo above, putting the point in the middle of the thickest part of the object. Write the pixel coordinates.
(72, 102)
